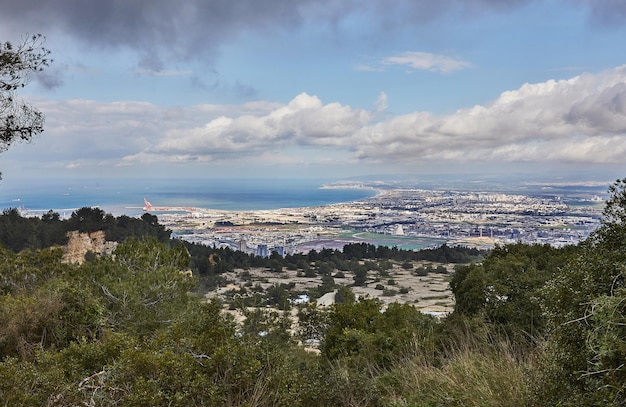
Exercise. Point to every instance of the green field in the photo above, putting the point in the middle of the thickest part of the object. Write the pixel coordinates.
(401, 242)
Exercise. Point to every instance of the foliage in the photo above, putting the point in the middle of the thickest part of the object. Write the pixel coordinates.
(313, 323)
(124, 330)
(143, 286)
(27, 270)
(364, 333)
(48, 304)
(31, 233)
(18, 120)
(505, 287)
(18, 233)
(279, 295)
(585, 306)
(533, 325)
(441, 254)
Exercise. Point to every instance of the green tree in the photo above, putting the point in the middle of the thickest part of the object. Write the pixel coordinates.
(27, 270)
(585, 305)
(16, 232)
(344, 294)
(279, 295)
(360, 276)
(18, 120)
(43, 304)
(144, 285)
(368, 335)
(89, 220)
(312, 323)
(505, 287)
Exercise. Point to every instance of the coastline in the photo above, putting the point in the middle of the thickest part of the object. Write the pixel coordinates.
(292, 214)
(126, 198)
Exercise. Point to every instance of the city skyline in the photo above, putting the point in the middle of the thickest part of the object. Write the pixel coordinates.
(323, 89)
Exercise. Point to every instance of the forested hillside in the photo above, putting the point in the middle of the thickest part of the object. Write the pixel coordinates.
(20, 233)
(532, 325)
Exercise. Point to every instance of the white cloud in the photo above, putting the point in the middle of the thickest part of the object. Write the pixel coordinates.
(579, 120)
(428, 62)
(582, 119)
(303, 121)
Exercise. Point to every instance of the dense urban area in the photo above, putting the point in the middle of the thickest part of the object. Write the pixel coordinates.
(406, 218)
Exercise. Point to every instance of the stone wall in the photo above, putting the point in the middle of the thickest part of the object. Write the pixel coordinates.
(79, 244)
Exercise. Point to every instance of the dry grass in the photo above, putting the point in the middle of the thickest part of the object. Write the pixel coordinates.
(465, 377)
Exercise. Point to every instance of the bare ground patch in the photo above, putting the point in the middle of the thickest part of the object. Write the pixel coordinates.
(430, 293)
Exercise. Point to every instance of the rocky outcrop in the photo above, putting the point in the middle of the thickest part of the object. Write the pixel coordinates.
(79, 244)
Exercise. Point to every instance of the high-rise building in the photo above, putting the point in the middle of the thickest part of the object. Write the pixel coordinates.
(242, 245)
(261, 250)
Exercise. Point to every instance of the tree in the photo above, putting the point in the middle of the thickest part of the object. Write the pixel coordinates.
(585, 307)
(18, 120)
(88, 220)
(365, 333)
(505, 287)
(143, 286)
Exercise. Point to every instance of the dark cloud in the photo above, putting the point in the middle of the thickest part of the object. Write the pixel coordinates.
(156, 28)
(245, 91)
(49, 79)
(151, 62)
(604, 111)
(607, 12)
(393, 14)
(167, 30)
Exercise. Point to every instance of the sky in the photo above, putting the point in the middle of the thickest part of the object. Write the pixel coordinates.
(323, 88)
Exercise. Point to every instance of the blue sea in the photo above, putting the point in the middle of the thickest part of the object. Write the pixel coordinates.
(126, 196)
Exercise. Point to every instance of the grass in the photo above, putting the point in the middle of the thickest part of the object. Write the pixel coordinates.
(467, 378)
(465, 370)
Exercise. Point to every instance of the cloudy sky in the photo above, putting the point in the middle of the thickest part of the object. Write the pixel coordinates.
(323, 88)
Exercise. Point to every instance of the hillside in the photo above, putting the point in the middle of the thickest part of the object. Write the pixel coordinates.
(530, 325)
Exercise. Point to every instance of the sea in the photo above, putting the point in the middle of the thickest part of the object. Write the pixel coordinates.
(126, 197)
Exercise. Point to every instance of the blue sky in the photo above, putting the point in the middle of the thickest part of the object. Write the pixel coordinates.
(324, 88)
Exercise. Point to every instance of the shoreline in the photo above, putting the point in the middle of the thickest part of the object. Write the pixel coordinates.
(220, 196)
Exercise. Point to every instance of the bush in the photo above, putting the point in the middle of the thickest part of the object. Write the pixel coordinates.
(441, 270)
(389, 292)
(421, 272)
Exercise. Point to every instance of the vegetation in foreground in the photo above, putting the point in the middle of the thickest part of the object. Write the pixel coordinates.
(533, 325)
